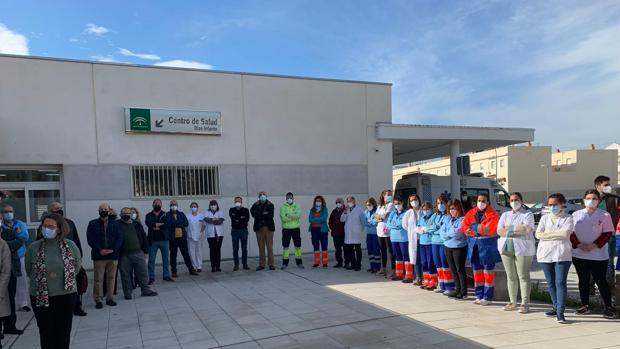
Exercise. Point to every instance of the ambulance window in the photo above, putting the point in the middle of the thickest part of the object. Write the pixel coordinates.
(472, 193)
(502, 198)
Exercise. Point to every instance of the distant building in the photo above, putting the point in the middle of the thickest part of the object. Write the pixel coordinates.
(524, 169)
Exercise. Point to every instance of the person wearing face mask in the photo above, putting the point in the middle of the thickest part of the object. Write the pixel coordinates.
(337, 230)
(290, 214)
(480, 226)
(263, 211)
(21, 230)
(52, 264)
(239, 218)
(195, 236)
(105, 240)
(383, 232)
(8, 322)
(440, 218)
(592, 232)
(133, 249)
(611, 203)
(455, 249)
(400, 243)
(554, 252)
(465, 201)
(429, 270)
(372, 242)
(516, 246)
(159, 240)
(410, 223)
(354, 224)
(57, 207)
(215, 234)
(319, 231)
(178, 223)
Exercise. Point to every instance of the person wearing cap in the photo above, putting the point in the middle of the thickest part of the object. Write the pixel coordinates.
(263, 211)
(337, 231)
(290, 214)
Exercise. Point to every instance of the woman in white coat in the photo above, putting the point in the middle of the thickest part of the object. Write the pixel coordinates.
(354, 224)
(383, 232)
(410, 223)
(195, 236)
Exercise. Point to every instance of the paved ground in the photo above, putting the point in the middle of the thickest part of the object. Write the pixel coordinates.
(317, 309)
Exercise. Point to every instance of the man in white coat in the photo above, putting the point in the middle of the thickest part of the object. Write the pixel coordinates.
(354, 233)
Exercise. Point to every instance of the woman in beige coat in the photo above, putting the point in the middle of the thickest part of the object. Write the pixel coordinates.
(5, 276)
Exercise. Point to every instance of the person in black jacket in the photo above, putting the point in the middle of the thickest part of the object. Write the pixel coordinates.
(133, 251)
(105, 240)
(157, 223)
(57, 207)
(264, 226)
(7, 323)
(610, 203)
(239, 218)
(177, 221)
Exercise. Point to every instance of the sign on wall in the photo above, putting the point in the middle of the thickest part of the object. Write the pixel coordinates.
(141, 120)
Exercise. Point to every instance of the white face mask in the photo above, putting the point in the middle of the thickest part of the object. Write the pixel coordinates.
(607, 189)
(338, 205)
(213, 208)
(134, 216)
(399, 207)
(415, 204)
(237, 204)
(194, 209)
(516, 205)
(318, 204)
(174, 207)
(369, 207)
(481, 205)
(590, 203)
(350, 204)
(49, 233)
(289, 201)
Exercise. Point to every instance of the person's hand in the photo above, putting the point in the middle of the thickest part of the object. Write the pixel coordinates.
(586, 247)
(157, 225)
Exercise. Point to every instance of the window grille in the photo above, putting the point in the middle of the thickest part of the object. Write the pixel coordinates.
(175, 181)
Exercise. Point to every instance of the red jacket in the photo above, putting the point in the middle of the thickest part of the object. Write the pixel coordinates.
(335, 225)
(488, 226)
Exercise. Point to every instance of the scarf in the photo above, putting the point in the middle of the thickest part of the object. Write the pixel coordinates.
(40, 272)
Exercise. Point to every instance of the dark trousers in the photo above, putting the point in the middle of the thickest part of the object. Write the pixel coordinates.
(386, 246)
(177, 244)
(338, 244)
(456, 261)
(55, 321)
(8, 322)
(240, 237)
(215, 251)
(319, 239)
(598, 270)
(353, 255)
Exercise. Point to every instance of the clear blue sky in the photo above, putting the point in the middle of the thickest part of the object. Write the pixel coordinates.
(551, 65)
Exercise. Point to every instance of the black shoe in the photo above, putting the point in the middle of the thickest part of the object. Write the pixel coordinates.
(370, 270)
(271, 267)
(245, 267)
(149, 294)
(175, 275)
(99, 305)
(315, 265)
(583, 310)
(199, 270)
(348, 267)
(610, 314)
(169, 279)
(324, 265)
(25, 309)
(80, 312)
(551, 313)
(151, 281)
(110, 303)
(451, 294)
(339, 265)
(235, 268)
(1, 336)
(193, 272)
(407, 281)
(128, 297)
(259, 268)
(357, 269)
(218, 269)
(561, 319)
(13, 331)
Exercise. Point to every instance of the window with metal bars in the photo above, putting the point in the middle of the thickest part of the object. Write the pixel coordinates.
(175, 181)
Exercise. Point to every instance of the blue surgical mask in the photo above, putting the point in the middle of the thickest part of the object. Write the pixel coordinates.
(441, 207)
(49, 233)
(263, 197)
(194, 209)
(8, 216)
(555, 209)
(427, 212)
(388, 198)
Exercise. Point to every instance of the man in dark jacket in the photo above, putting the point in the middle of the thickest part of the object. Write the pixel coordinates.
(159, 239)
(177, 221)
(133, 250)
(7, 323)
(264, 226)
(239, 218)
(610, 203)
(337, 229)
(57, 207)
(105, 240)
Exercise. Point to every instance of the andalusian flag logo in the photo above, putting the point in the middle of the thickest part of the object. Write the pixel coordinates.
(139, 119)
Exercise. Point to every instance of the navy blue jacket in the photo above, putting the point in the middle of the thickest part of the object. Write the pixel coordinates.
(111, 239)
(180, 222)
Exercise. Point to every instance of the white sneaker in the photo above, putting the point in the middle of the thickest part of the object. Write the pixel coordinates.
(477, 301)
(485, 302)
(439, 290)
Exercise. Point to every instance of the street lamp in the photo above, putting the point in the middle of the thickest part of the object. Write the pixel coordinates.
(547, 177)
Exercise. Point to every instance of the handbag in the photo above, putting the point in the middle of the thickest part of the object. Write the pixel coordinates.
(82, 281)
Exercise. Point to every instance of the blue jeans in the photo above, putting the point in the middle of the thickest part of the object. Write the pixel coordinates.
(240, 237)
(556, 274)
(164, 247)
